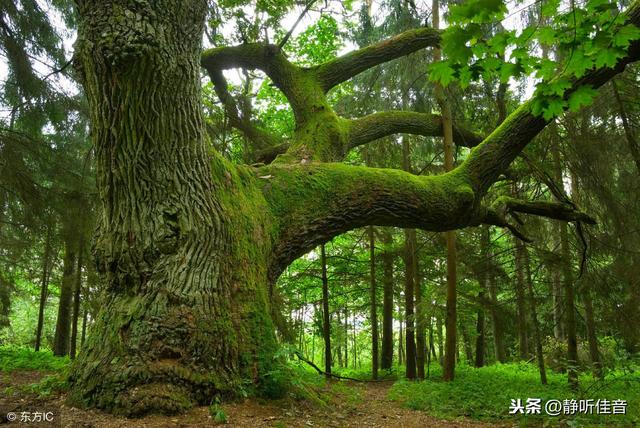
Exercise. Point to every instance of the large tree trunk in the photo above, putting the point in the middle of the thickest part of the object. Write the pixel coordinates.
(387, 302)
(182, 240)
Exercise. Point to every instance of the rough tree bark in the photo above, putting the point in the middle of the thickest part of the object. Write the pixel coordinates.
(189, 245)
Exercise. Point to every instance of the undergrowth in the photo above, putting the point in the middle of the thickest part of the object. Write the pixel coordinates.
(485, 394)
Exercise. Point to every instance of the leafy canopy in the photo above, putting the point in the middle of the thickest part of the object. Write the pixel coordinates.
(558, 46)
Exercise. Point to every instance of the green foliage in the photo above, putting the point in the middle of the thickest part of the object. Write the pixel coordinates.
(320, 42)
(593, 36)
(218, 414)
(485, 394)
(21, 358)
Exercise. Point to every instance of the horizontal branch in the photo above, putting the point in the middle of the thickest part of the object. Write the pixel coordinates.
(314, 202)
(378, 125)
(554, 210)
(255, 56)
(343, 68)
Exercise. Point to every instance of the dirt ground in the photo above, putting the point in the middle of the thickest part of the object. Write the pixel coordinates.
(361, 405)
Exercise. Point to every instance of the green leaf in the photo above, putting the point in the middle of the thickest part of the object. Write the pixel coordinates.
(579, 63)
(583, 96)
(555, 87)
(555, 107)
(625, 35)
(546, 35)
(441, 72)
(608, 58)
(550, 8)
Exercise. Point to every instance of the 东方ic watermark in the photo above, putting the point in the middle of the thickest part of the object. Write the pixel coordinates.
(535, 406)
(30, 417)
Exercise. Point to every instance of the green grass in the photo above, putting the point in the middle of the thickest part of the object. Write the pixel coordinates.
(20, 358)
(485, 394)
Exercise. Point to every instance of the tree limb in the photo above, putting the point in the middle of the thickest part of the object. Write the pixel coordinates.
(378, 125)
(343, 68)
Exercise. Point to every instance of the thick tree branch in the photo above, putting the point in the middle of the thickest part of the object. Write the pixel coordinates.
(314, 202)
(378, 125)
(251, 56)
(347, 66)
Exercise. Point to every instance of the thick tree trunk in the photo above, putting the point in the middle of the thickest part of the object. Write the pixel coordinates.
(326, 321)
(44, 286)
(183, 238)
(373, 305)
(387, 301)
(63, 322)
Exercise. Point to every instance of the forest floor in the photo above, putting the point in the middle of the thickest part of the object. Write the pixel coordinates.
(349, 404)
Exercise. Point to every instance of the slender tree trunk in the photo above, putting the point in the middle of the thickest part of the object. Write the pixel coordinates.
(410, 344)
(523, 344)
(401, 358)
(346, 336)
(374, 303)
(83, 336)
(76, 301)
(326, 322)
(594, 352)
(466, 342)
(447, 126)
(420, 319)
(632, 143)
(496, 320)
(534, 314)
(387, 302)
(440, 341)
(570, 309)
(63, 322)
(44, 286)
(482, 281)
(558, 304)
